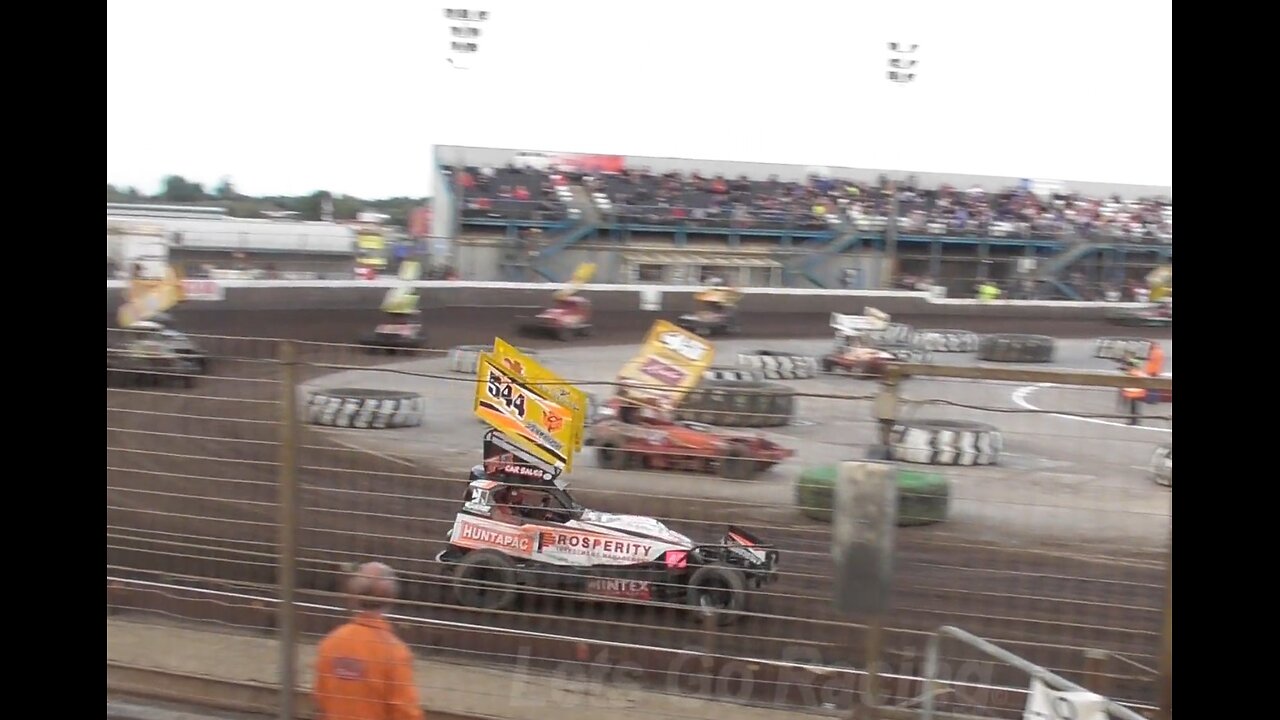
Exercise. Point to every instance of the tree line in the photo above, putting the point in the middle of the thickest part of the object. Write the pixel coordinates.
(177, 190)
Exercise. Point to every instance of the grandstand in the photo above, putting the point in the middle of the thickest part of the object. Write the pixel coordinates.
(521, 215)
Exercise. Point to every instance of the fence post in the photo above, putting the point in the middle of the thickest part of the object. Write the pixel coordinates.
(1165, 702)
(871, 701)
(287, 570)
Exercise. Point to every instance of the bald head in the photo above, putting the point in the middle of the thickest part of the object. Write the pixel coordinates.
(372, 586)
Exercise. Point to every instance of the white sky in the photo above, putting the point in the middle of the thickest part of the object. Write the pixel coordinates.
(292, 96)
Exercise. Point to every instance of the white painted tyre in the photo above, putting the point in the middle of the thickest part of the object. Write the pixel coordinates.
(364, 409)
(1115, 348)
(772, 365)
(1162, 464)
(946, 442)
(946, 341)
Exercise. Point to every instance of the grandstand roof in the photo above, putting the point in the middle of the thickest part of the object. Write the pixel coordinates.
(468, 155)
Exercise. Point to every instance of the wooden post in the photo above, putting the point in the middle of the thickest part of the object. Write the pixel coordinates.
(288, 529)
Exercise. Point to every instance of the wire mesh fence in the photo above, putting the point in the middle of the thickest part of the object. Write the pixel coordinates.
(1033, 515)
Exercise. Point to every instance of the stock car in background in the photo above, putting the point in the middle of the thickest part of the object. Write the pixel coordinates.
(628, 436)
(519, 529)
(866, 344)
(400, 330)
(1158, 314)
(716, 313)
(154, 353)
(569, 316)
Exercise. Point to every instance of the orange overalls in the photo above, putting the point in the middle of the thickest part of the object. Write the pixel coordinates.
(1131, 393)
(364, 672)
(1155, 361)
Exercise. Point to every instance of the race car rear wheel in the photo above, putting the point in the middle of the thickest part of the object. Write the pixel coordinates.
(485, 579)
(719, 591)
(736, 465)
(612, 457)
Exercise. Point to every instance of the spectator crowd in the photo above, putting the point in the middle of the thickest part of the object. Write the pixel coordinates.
(694, 200)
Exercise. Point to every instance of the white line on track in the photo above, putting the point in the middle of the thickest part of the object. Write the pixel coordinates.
(1020, 398)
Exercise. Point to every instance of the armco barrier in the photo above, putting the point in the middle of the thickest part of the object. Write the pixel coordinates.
(360, 294)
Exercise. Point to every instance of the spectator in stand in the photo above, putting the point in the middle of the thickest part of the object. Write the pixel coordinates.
(641, 196)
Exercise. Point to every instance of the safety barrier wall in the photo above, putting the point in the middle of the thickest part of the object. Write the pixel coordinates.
(347, 295)
(1031, 512)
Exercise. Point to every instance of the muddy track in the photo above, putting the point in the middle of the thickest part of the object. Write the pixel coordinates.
(191, 496)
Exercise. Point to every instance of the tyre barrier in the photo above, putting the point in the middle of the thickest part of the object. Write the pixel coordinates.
(945, 442)
(892, 334)
(908, 354)
(364, 408)
(1008, 347)
(774, 365)
(1115, 348)
(731, 375)
(739, 404)
(924, 498)
(1162, 464)
(466, 358)
(948, 341)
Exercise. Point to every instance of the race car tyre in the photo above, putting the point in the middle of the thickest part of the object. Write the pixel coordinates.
(612, 457)
(485, 579)
(924, 498)
(774, 365)
(365, 409)
(466, 358)
(946, 341)
(739, 404)
(718, 590)
(1162, 464)
(1007, 347)
(892, 334)
(1115, 348)
(945, 442)
(735, 465)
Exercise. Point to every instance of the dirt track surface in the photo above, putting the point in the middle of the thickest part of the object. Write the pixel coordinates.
(192, 500)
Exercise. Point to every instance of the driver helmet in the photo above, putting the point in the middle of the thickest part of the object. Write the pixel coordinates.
(511, 496)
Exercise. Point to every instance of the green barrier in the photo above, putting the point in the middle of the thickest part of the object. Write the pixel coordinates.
(923, 497)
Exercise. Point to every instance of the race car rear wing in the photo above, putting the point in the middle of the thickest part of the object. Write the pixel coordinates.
(871, 321)
(507, 462)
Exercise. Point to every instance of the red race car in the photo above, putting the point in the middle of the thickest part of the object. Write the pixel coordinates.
(568, 317)
(632, 437)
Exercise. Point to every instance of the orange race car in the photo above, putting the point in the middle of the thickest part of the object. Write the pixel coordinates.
(628, 436)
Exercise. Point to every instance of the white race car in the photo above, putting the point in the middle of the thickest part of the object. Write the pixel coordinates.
(519, 528)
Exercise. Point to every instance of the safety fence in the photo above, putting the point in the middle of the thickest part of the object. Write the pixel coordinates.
(1035, 511)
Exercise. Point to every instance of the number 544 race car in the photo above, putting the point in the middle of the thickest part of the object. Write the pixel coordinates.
(519, 529)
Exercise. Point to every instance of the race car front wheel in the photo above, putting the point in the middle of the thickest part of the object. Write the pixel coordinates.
(718, 591)
(485, 579)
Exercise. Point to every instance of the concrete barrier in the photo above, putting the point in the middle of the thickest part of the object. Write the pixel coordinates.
(357, 294)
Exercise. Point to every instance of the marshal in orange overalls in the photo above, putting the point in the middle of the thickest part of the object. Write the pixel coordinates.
(365, 672)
